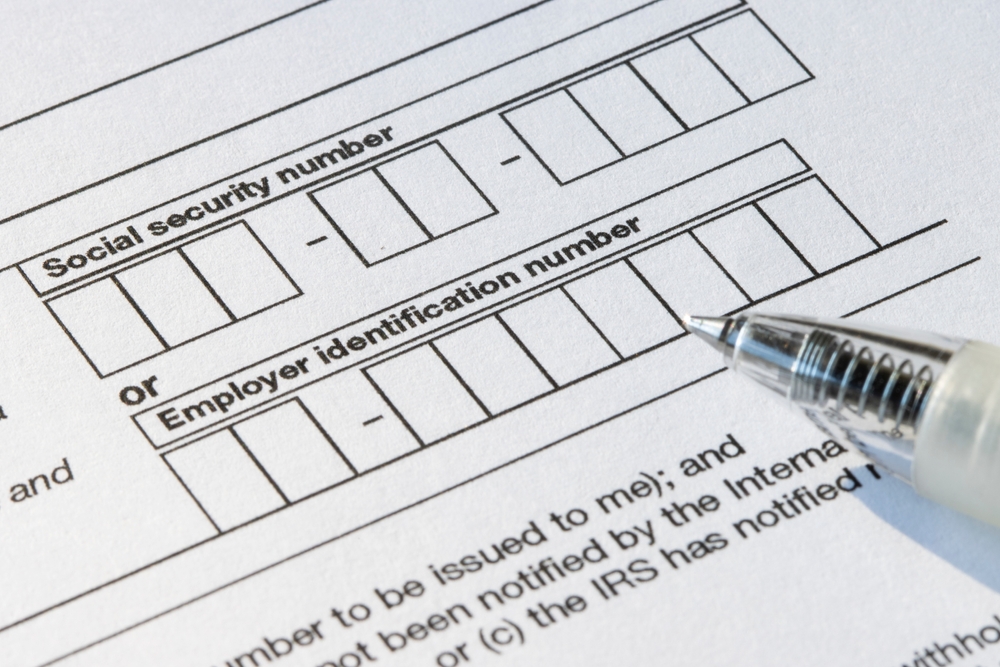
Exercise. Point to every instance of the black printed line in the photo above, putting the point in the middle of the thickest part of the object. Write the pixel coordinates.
(517, 133)
(198, 337)
(859, 258)
(849, 212)
(655, 293)
(282, 109)
(392, 407)
(789, 146)
(783, 45)
(716, 65)
(594, 122)
(902, 239)
(468, 178)
(649, 87)
(323, 432)
(193, 497)
(674, 136)
(912, 287)
(208, 286)
(267, 251)
(592, 323)
(802, 258)
(721, 268)
(69, 334)
(527, 352)
(177, 59)
(461, 380)
(340, 232)
(399, 200)
(128, 297)
(263, 471)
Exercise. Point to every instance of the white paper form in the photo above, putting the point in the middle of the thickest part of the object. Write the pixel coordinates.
(348, 333)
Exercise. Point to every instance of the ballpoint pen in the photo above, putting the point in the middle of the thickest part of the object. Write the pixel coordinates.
(923, 406)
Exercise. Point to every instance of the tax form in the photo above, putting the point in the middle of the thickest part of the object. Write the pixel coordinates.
(345, 333)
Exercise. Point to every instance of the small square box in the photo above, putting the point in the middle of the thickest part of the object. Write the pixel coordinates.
(173, 298)
(225, 481)
(562, 136)
(751, 56)
(628, 314)
(293, 450)
(622, 105)
(559, 337)
(822, 230)
(240, 270)
(105, 326)
(428, 395)
(687, 278)
(752, 252)
(369, 217)
(435, 190)
(688, 82)
(493, 365)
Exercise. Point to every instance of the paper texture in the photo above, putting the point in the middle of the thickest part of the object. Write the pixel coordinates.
(349, 333)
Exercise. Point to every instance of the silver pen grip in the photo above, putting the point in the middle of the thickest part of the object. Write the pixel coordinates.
(925, 407)
(862, 385)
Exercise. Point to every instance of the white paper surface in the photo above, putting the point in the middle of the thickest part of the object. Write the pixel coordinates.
(347, 333)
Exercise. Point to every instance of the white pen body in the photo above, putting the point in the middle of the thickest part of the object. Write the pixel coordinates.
(957, 452)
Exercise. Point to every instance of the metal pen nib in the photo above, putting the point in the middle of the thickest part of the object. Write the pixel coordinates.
(709, 329)
(861, 385)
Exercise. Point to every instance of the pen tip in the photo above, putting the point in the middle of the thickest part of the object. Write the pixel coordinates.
(709, 329)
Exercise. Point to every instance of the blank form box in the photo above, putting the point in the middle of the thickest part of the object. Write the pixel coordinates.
(435, 190)
(224, 480)
(427, 394)
(752, 252)
(751, 56)
(629, 315)
(369, 217)
(816, 224)
(562, 136)
(106, 327)
(688, 82)
(687, 278)
(493, 365)
(293, 450)
(173, 298)
(240, 271)
(559, 337)
(622, 105)
(359, 420)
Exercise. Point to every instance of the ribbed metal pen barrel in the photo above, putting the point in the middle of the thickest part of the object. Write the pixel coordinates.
(833, 371)
(861, 385)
